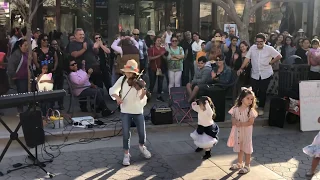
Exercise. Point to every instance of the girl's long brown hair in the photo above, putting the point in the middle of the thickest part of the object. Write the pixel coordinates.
(242, 95)
(203, 100)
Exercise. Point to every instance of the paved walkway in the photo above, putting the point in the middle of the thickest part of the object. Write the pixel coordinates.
(277, 156)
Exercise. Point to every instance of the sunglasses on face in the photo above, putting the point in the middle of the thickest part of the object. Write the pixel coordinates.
(73, 64)
(218, 59)
(98, 37)
(136, 34)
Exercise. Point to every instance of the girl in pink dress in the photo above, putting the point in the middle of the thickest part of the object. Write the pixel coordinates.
(243, 115)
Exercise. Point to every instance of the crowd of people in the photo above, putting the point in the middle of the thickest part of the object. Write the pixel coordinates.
(180, 58)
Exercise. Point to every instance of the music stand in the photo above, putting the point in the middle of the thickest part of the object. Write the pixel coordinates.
(14, 136)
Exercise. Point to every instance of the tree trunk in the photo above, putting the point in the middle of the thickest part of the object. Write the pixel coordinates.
(28, 36)
(244, 27)
(244, 34)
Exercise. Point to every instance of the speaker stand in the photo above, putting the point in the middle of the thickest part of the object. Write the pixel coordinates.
(14, 137)
(36, 162)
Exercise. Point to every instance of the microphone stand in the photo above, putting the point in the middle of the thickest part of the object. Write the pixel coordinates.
(33, 89)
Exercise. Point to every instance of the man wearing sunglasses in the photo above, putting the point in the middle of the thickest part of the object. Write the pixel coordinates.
(262, 56)
(142, 49)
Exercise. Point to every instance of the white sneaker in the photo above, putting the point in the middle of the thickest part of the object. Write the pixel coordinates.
(126, 160)
(260, 112)
(145, 152)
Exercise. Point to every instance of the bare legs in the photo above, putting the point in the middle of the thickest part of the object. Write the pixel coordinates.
(192, 93)
(315, 162)
(247, 158)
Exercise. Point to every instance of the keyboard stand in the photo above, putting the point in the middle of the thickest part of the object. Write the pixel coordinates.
(14, 137)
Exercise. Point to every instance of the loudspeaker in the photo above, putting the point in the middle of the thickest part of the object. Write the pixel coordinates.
(161, 116)
(277, 113)
(32, 127)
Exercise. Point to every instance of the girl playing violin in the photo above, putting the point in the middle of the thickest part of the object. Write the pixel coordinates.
(131, 96)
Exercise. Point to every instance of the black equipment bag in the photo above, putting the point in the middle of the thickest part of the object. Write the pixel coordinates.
(218, 97)
(277, 113)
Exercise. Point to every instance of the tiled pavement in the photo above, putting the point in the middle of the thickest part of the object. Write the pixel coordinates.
(283, 154)
(275, 157)
(98, 164)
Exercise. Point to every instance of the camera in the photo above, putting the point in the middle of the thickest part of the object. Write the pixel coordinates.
(218, 39)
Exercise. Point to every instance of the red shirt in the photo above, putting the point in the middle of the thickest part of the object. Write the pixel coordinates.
(155, 63)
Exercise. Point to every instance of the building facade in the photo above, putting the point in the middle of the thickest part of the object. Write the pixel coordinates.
(108, 17)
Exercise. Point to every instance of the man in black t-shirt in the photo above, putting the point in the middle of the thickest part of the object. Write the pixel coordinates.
(83, 48)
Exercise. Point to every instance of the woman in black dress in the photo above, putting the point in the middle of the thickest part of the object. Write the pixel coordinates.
(44, 54)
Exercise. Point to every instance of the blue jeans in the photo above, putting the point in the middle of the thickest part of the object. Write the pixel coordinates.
(114, 76)
(138, 119)
(22, 87)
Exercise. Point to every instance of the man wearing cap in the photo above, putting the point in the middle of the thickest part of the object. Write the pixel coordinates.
(300, 35)
(149, 39)
(36, 34)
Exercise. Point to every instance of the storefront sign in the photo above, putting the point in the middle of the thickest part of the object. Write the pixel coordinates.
(101, 4)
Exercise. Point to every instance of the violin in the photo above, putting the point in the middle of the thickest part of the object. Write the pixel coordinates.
(137, 83)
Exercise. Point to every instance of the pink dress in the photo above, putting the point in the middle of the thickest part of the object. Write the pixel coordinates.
(242, 136)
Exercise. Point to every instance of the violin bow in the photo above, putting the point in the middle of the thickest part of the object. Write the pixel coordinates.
(140, 74)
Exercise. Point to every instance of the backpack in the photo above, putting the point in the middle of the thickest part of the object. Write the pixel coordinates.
(148, 94)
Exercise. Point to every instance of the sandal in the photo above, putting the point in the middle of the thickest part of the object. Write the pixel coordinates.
(244, 170)
(309, 174)
(235, 167)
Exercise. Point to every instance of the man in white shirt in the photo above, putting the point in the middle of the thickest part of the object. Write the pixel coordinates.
(142, 49)
(260, 55)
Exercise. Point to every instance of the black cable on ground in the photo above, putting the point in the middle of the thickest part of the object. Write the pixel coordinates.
(81, 141)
